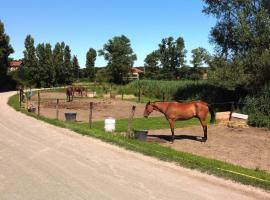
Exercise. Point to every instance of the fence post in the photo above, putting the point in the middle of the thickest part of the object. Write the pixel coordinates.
(20, 97)
(57, 109)
(232, 109)
(90, 114)
(139, 95)
(26, 96)
(130, 121)
(163, 96)
(38, 103)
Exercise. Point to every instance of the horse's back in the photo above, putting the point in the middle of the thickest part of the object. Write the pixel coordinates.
(190, 109)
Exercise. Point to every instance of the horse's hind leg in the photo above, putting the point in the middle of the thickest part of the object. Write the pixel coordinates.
(204, 126)
(171, 122)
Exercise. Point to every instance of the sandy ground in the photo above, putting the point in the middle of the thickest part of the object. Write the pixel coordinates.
(248, 147)
(40, 161)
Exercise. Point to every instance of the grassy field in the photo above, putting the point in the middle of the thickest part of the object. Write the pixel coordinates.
(236, 173)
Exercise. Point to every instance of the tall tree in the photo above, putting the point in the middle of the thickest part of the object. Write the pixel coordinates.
(58, 60)
(152, 65)
(119, 54)
(91, 56)
(200, 56)
(67, 65)
(5, 50)
(242, 37)
(75, 67)
(45, 65)
(172, 56)
(30, 63)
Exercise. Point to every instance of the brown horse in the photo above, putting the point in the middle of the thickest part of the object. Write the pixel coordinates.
(69, 93)
(80, 90)
(174, 111)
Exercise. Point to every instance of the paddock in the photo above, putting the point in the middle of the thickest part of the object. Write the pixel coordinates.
(245, 146)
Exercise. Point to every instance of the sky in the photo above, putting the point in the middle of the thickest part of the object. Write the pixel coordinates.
(84, 24)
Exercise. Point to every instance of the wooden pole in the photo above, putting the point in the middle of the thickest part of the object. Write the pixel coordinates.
(163, 96)
(20, 97)
(57, 109)
(90, 114)
(26, 102)
(139, 95)
(38, 103)
(232, 109)
(130, 121)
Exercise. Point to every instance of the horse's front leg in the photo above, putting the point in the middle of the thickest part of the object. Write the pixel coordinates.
(171, 122)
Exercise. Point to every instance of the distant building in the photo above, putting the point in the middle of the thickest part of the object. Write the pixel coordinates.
(205, 76)
(15, 65)
(135, 73)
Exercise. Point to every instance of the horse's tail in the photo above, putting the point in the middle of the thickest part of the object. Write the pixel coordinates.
(213, 115)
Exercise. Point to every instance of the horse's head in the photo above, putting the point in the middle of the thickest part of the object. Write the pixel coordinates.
(148, 109)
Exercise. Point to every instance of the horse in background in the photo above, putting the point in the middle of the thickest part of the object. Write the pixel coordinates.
(80, 90)
(69, 93)
(174, 111)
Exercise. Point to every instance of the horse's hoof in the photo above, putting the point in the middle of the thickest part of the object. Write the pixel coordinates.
(204, 139)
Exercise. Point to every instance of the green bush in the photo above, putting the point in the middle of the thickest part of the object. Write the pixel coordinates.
(258, 108)
(8, 83)
(186, 90)
(159, 89)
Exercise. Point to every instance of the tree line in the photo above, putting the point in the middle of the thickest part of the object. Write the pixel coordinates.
(241, 59)
(44, 66)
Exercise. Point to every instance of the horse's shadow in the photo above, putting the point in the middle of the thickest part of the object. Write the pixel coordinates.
(179, 137)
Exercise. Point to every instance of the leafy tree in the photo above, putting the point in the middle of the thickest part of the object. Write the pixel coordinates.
(242, 34)
(90, 63)
(172, 55)
(75, 67)
(45, 65)
(59, 62)
(200, 56)
(152, 65)
(5, 50)
(119, 54)
(29, 71)
(51, 77)
(67, 65)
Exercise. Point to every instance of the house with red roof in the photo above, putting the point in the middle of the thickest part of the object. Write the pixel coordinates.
(15, 65)
(135, 73)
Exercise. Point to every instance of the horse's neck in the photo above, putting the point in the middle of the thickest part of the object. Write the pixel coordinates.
(161, 107)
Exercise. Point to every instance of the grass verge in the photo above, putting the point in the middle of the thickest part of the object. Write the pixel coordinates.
(254, 177)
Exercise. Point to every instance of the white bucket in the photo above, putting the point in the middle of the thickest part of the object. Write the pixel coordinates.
(109, 124)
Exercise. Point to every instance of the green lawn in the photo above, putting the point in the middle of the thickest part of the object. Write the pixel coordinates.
(233, 172)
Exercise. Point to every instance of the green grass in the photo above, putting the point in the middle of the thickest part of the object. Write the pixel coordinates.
(233, 172)
(151, 123)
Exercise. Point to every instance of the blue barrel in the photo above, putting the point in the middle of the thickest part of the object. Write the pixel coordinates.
(70, 116)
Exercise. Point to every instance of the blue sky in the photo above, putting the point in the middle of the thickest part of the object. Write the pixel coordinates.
(90, 23)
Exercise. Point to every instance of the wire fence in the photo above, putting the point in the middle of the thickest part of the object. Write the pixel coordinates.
(34, 103)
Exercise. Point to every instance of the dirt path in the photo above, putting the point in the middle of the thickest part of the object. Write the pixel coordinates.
(40, 161)
(249, 147)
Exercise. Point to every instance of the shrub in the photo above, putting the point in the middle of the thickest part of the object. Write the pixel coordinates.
(258, 108)
(186, 90)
